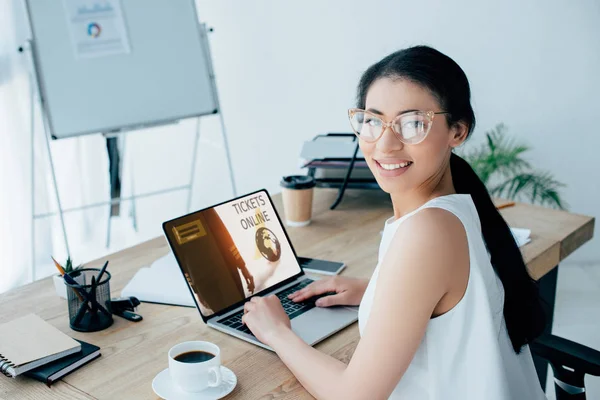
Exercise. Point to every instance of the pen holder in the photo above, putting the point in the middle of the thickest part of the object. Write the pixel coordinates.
(89, 304)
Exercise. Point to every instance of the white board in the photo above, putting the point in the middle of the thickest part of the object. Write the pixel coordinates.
(163, 73)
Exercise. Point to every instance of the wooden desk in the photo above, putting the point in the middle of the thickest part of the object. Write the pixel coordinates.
(133, 353)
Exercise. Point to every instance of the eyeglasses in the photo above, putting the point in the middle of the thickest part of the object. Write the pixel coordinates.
(410, 127)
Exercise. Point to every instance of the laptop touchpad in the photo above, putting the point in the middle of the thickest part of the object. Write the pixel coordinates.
(319, 323)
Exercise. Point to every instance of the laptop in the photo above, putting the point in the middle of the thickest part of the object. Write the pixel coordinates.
(238, 249)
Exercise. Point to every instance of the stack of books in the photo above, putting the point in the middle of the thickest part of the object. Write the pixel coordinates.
(328, 158)
(32, 347)
(335, 161)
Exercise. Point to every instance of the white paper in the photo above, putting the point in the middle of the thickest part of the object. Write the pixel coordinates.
(97, 27)
(521, 235)
(162, 282)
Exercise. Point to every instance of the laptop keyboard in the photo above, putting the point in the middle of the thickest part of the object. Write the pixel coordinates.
(291, 309)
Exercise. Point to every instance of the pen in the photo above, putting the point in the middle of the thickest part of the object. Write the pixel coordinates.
(93, 296)
(102, 272)
(84, 306)
(87, 298)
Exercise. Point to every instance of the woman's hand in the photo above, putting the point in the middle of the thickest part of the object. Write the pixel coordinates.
(265, 317)
(349, 291)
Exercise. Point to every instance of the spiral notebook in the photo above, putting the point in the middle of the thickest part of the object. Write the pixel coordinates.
(29, 342)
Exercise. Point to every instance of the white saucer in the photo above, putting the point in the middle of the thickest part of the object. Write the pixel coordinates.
(164, 387)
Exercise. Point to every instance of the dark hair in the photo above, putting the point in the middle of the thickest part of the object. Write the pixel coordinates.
(443, 77)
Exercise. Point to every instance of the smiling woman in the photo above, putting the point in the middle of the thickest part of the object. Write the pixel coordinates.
(450, 309)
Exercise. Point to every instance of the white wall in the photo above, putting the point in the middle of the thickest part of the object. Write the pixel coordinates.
(288, 70)
(157, 158)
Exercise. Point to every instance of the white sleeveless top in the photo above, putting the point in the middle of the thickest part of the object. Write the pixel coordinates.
(466, 353)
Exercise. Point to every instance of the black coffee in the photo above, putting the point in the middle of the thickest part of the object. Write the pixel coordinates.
(195, 356)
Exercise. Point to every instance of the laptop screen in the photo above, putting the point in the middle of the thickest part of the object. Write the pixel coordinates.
(231, 251)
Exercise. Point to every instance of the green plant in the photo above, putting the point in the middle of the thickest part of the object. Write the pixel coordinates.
(69, 266)
(499, 163)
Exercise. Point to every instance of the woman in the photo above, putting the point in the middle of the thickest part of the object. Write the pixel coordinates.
(450, 308)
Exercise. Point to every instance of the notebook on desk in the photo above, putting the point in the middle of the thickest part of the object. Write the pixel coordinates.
(29, 342)
(51, 372)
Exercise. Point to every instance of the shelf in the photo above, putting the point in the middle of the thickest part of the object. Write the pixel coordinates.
(352, 184)
(335, 164)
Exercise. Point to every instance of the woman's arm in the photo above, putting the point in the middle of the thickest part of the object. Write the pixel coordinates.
(426, 252)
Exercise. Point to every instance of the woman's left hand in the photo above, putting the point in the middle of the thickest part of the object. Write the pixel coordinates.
(265, 317)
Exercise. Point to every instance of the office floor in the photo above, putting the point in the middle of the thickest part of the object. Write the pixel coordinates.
(577, 312)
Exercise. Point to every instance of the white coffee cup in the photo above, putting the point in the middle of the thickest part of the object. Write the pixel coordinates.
(195, 376)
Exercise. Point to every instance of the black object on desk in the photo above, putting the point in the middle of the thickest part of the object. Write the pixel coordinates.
(55, 370)
(326, 161)
(124, 307)
(87, 299)
(318, 266)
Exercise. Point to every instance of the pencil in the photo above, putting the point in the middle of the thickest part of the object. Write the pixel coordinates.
(58, 266)
(72, 281)
(506, 205)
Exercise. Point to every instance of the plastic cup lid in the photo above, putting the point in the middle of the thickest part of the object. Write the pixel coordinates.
(298, 182)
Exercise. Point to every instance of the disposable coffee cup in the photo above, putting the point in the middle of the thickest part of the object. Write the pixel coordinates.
(195, 375)
(297, 193)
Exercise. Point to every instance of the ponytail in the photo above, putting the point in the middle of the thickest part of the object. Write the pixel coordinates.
(523, 313)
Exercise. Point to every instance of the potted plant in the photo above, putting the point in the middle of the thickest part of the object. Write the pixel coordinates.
(500, 165)
(59, 282)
